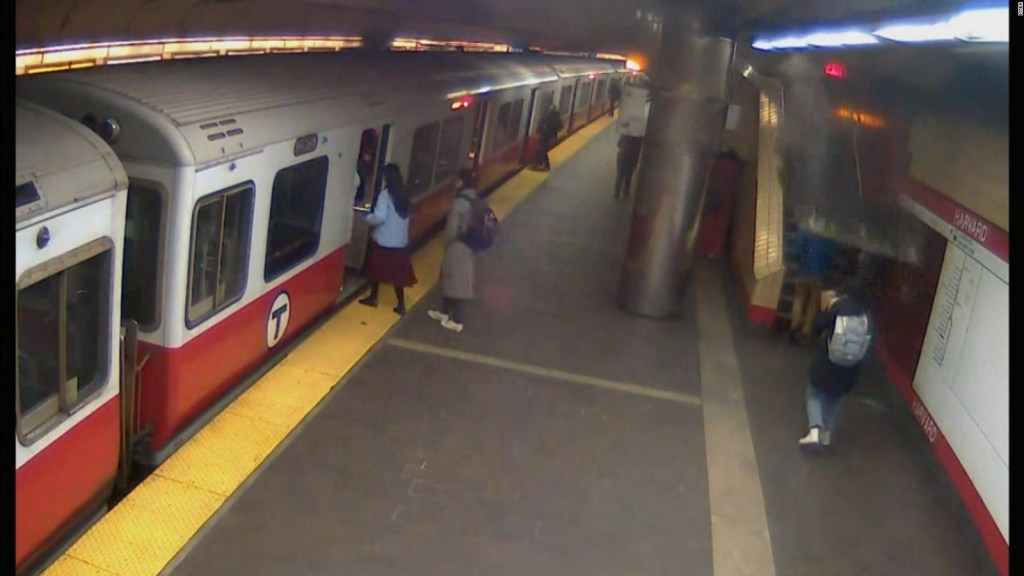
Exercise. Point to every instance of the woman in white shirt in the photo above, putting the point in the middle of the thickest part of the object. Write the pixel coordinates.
(390, 261)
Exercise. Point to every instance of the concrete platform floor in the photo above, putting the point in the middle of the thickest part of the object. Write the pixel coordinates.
(559, 435)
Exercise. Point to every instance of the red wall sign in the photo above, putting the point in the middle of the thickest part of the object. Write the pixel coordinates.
(835, 69)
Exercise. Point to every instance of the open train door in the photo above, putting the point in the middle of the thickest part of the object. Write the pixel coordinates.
(479, 123)
(526, 151)
(570, 125)
(373, 155)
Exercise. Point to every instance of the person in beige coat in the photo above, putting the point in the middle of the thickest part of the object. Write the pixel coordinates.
(457, 270)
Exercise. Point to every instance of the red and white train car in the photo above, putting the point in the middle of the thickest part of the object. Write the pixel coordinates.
(70, 194)
(244, 204)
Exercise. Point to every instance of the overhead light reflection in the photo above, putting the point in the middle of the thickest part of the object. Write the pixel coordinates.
(982, 25)
(916, 32)
(841, 38)
(989, 24)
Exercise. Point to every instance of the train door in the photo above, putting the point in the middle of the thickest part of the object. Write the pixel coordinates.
(525, 151)
(479, 123)
(373, 155)
(572, 107)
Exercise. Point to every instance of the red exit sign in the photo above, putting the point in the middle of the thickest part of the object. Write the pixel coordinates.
(835, 69)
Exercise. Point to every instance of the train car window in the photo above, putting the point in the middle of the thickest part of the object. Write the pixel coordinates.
(448, 150)
(141, 255)
(421, 162)
(602, 89)
(501, 127)
(584, 98)
(565, 101)
(514, 120)
(63, 337)
(221, 232)
(366, 163)
(296, 214)
(543, 103)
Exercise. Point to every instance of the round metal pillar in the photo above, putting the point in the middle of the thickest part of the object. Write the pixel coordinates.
(687, 115)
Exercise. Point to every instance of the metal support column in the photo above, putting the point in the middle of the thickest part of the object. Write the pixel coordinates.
(687, 115)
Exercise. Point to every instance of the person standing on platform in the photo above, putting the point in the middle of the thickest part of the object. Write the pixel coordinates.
(846, 323)
(629, 155)
(548, 128)
(614, 95)
(457, 269)
(814, 257)
(390, 261)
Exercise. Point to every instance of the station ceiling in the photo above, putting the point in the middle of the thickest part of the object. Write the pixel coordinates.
(620, 26)
(616, 26)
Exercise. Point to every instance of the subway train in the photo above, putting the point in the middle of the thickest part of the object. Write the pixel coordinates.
(180, 222)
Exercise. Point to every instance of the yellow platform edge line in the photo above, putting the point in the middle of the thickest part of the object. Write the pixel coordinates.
(157, 519)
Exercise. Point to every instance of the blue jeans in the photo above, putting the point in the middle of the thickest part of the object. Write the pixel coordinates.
(822, 409)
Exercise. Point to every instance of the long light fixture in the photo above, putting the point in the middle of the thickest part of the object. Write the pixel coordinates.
(978, 24)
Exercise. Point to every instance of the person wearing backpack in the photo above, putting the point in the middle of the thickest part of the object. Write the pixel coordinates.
(457, 269)
(846, 324)
(390, 261)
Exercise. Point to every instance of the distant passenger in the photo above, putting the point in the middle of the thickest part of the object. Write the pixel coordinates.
(390, 261)
(457, 270)
(814, 257)
(548, 128)
(629, 155)
(614, 95)
(847, 326)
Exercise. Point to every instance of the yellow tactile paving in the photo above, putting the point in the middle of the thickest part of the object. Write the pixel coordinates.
(71, 566)
(225, 451)
(306, 388)
(146, 529)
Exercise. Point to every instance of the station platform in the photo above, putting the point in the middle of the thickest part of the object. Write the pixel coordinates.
(555, 435)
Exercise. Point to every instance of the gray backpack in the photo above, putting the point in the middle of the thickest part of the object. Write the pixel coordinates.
(850, 340)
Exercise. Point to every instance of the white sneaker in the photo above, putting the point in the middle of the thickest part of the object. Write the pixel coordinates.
(826, 438)
(812, 438)
(451, 325)
(436, 315)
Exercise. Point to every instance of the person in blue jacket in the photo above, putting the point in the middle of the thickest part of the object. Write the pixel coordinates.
(813, 258)
(390, 261)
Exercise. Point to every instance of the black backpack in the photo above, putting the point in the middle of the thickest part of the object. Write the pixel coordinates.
(483, 224)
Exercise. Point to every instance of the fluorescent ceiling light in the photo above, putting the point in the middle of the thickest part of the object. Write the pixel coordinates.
(982, 25)
(990, 24)
(840, 38)
(916, 32)
(789, 42)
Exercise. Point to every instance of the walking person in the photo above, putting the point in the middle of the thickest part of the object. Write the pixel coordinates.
(846, 323)
(548, 127)
(628, 156)
(390, 261)
(814, 259)
(457, 270)
(614, 95)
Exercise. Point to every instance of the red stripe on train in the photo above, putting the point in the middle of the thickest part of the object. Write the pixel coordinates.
(179, 383)
(55, 485)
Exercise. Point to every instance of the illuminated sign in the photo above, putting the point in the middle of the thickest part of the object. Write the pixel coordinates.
(835, 69)
(869, 120)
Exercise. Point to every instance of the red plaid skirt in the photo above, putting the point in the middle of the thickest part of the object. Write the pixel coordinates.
(390, 266)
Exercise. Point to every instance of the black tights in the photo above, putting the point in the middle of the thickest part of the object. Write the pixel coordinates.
(399, 292)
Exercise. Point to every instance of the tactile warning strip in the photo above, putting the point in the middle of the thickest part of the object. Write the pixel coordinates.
(149, 526)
